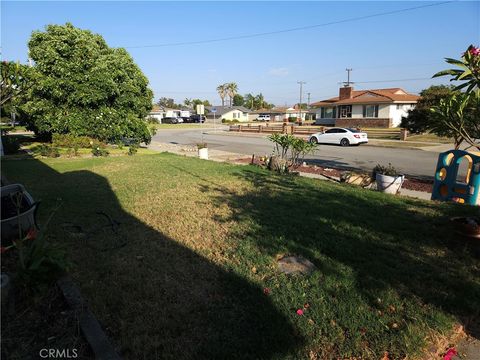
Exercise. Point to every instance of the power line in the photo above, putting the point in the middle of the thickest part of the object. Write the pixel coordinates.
(394, 80)
(247, 36)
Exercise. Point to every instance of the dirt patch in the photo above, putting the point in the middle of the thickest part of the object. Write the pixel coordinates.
(36, 320)
(335, 173)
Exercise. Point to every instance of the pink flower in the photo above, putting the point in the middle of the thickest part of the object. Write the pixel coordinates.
(450, 353)
(300, 312)
(475, 51)
(266, 291)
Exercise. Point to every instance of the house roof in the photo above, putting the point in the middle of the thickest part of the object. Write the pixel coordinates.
(225, 109)
(374, 96)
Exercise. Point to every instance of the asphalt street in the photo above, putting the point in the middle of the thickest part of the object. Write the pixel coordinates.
(414, 162)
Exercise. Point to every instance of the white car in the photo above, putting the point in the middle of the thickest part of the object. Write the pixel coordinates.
(340, 136)
(263, 117)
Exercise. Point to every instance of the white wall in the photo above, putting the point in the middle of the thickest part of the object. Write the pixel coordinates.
(396, 114)
(240, 116)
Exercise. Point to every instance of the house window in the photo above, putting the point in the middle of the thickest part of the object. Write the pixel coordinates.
(234, 115)
(370, 111)
(345, 111)
(327, 113)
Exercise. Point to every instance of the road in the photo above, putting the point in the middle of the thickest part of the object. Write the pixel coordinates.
(418, 163)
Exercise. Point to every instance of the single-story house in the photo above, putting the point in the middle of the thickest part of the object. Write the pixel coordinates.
(159, 112)
(382, 108)
(239, 113)
(278, 113)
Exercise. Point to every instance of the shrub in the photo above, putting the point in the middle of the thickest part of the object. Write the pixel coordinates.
(202, 146)
(48, 151)
(132, 150)
(99, 151)
(385, 170)
(71, 141)
(289, 152)
(292, 119)
(10, 145)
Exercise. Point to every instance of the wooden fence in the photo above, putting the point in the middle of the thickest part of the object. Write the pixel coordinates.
(390, 134)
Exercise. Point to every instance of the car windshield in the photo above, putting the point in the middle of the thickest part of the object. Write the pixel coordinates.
(353, 130)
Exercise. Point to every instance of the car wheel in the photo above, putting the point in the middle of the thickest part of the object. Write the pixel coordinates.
(313, 140)
(344, 142)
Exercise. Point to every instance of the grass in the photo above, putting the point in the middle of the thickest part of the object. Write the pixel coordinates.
(398, 144)
(197, 243)
(429, 138)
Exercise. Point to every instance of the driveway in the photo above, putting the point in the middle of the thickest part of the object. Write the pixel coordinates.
(412, 162)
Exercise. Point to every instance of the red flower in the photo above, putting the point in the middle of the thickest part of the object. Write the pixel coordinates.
(450, 353)
(266, 291)
(300, 312)
(31, 235)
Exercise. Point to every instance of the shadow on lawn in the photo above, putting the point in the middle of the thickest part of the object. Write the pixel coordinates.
(155, 297)
(401, 246)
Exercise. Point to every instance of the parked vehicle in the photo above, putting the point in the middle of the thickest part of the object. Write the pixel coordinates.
(340, 136)
(186, 119)
(171, 120)
(263, 117)
(196, 118)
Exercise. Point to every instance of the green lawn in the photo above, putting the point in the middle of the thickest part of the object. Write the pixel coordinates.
(184, 276)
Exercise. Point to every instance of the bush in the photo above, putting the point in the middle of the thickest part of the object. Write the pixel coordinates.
(385, 170)
(48, 151)
(132, 150)
(72, 141)
(225, 121)
(292, 119)
(99, 151)
(10, 145)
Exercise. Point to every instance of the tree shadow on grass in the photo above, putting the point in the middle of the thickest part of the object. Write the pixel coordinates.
(405, 246)
(156, 298)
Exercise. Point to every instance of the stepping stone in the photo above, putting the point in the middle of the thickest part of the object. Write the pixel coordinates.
(295, 264)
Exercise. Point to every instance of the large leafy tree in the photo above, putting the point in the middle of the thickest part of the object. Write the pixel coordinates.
(420, 119)
(84, 87)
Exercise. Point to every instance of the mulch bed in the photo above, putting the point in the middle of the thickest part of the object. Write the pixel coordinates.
(410, 183)
(32, 321)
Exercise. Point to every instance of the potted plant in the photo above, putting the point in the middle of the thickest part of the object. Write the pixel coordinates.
(202, 151)
(388, 179)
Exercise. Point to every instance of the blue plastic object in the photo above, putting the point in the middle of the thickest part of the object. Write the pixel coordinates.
(447, 186)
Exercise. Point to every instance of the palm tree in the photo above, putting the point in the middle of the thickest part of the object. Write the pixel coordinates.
(187, 102)
(232, 90)
(222, 91)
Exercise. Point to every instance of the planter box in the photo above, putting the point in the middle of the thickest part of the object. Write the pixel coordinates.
(389, 184)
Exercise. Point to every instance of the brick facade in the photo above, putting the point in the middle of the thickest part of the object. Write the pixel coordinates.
(363, 123)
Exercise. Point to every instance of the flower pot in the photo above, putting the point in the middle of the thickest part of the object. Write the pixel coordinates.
(203, 153)
(11, 219)
(389, 184)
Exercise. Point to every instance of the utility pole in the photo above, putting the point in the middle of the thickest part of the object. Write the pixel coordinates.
(308, 105)
(300, 103)
(348, 77)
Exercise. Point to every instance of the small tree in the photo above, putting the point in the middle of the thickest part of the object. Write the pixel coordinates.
(460, 113)
(289, 152)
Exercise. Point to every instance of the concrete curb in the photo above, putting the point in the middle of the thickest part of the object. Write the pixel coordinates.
(91, 328)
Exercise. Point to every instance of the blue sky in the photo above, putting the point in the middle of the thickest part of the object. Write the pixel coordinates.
(405, 45)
